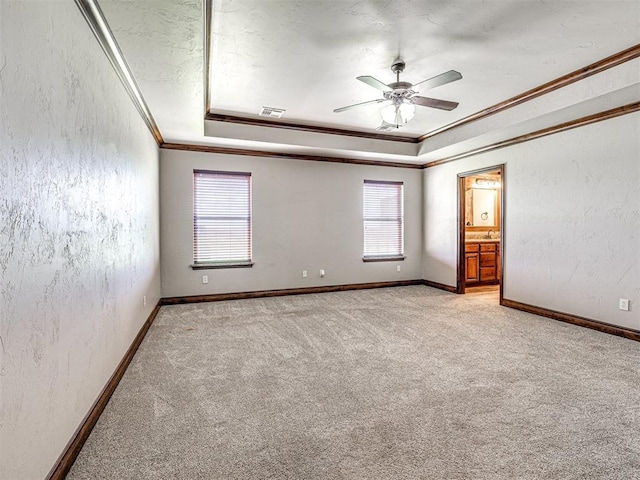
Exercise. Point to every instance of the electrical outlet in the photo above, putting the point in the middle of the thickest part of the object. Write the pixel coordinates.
(205, 278)
(304, 274)
(321, 272)
(398, 268)
(624, 304)
(144, 301)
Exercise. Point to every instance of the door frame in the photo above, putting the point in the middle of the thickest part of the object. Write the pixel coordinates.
(460, 271)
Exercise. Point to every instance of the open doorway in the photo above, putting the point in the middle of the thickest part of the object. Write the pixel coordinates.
(481, 232)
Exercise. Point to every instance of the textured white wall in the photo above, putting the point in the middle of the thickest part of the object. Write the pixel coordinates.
(173, 29)
(306, 216)
(572, 224)
(78, 232)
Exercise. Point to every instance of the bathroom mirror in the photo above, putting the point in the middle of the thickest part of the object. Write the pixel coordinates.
(481, 208)
(483, 202)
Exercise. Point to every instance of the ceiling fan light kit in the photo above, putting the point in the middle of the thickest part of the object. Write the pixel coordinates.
(402, 96)
(398, 113)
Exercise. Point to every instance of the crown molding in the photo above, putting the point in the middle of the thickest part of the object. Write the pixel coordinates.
(260, 122)
(579, 122)
(100, 28)
(575, 76)
(288, 156)
(561, 127)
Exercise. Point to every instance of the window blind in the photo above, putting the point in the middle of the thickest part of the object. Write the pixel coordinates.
(383, 218)
(221, 217)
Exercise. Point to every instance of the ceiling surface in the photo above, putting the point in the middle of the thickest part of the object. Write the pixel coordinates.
(304, 57)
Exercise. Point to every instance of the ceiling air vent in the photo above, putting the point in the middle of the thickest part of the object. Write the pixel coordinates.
(271, 112)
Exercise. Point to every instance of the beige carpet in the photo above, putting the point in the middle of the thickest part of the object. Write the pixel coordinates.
(395, 383)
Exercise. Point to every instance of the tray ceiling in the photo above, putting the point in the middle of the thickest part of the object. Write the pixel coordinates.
(304, 57)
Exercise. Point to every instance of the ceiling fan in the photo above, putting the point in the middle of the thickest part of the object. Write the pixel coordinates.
(402, 96)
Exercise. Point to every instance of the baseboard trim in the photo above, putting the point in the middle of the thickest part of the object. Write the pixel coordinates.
(218, 297)
(440, 286)
(71, 451)
(574, 319)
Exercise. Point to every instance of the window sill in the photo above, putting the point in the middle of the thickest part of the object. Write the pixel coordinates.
(212, 266)
(395, 258)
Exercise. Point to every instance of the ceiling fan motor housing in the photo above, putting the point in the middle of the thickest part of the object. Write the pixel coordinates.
(401, 85)
(400, 88)
(398, 65)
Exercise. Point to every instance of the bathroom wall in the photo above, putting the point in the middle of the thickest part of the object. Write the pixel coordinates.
(79, 243)
(572, 220)
(306, 216)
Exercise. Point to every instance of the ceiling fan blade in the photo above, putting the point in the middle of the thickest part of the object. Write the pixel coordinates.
(375, 83)
(442, 79)
(349, 107)
(434, 103)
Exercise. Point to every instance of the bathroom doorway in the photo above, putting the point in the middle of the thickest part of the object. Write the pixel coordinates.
(481, 232)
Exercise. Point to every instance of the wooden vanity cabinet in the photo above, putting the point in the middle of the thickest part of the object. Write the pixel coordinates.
(482, 262)
(472, 262)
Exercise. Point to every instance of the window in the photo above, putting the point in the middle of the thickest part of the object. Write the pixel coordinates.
(383, 218)
(221, 219)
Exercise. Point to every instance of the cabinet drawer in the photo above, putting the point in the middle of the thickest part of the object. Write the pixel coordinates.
(487, 274)
(488, 259)
(487, 247)
(471, 247)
